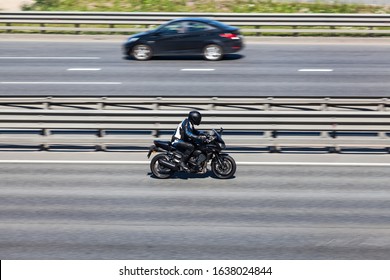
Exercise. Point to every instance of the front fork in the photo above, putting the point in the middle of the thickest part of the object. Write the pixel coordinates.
(217, 157)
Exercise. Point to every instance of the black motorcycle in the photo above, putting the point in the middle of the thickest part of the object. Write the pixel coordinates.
(166, 163)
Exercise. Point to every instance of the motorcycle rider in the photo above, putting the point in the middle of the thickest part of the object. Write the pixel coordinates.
(185, 135)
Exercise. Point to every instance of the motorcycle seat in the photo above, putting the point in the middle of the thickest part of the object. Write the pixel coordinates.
(166, 145)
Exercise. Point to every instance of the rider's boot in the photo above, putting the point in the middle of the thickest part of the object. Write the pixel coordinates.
(183, 163)
(183, 166)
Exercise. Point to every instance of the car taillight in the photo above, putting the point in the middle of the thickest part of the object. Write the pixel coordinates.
(230, 36)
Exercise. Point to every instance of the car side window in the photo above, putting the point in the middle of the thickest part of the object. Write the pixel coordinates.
(173, 28)
(194, 26)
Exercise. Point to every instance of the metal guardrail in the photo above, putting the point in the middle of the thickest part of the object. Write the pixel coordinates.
(201, 102)
(250, 24)
(250, 123)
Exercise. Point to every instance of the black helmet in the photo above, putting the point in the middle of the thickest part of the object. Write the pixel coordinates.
(195, 117)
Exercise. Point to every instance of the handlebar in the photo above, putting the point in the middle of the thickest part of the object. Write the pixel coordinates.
(209, 138)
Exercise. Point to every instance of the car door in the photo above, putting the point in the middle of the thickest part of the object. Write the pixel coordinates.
(169, 38)
(196, 35)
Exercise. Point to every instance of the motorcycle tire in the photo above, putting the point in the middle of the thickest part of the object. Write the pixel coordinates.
(226, 170)
(159, 171)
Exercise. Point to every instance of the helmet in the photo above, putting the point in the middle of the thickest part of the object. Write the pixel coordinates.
(195, 117)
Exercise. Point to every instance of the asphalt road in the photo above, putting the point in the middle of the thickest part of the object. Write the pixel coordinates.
(261, 69)
(118, 211)
(106, 211)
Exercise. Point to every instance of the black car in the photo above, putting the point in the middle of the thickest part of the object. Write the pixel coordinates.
(207, 37)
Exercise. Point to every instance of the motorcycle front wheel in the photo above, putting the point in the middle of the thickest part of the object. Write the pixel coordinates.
(158, 170)
(225, 168)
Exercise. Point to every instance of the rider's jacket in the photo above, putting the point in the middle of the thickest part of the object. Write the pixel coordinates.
(185, 131)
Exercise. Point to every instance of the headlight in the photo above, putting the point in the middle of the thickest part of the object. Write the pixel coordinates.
(132, 40)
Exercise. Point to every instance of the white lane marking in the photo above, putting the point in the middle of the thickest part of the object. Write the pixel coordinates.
(194, 69)
(379, 164)
(315, 70)
(77, 161)
(48, 57)
(84, 69)
(61, 83)
(238, 163)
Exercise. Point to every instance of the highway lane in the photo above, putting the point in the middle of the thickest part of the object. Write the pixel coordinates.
(105, 211)
(98, 68)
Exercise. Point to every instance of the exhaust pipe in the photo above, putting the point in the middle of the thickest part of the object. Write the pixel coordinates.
(167, 164)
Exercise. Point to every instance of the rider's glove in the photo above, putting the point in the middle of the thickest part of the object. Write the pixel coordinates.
(203, 138)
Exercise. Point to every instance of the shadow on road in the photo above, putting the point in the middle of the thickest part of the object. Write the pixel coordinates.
(187, 176)
(188, 57)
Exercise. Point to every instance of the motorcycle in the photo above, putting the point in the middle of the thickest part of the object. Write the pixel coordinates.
(166, 162)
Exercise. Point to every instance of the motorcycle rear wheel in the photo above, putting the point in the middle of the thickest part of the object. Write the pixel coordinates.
(226, 169)
(158, 170)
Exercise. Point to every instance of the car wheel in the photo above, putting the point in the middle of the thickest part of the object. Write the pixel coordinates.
(212, 52)
(142, 52)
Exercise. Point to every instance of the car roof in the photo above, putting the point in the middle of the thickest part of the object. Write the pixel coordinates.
(201, 19)
(205, 20)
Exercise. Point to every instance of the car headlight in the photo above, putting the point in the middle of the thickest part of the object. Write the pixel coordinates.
(132, 40)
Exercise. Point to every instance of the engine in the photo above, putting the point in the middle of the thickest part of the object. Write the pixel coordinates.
(198, 157)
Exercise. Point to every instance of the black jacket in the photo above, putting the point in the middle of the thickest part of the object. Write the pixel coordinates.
(185, 131)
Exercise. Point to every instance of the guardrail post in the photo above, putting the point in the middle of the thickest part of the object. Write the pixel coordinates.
(156, 132)
(324, 134)
(42, 30)
(324, 105)
(382, 105)
(382, 134)
(267, 106)
(45, 133)
(275, 148)
(295, 33)
(258, 33)
(46, 104)
(335, 148)
(156, 104)
(77, 25)
(332, 28)
(102, 104)
(8, 24)
(213, 102)
(101, 147)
